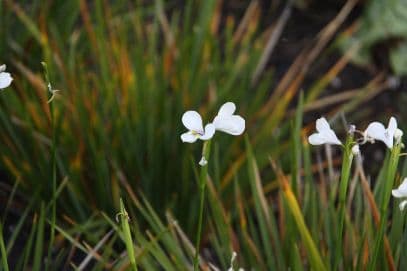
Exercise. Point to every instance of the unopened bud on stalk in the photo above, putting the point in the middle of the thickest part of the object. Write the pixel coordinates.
(203, 162)
(355, 150)
(397, 135)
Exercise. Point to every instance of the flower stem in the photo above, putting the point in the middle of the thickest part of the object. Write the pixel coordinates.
(343, 187)
(3, 250)
(53, 166)
(202, 184)
(389, 182)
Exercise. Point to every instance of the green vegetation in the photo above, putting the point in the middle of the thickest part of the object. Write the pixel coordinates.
(126, 71)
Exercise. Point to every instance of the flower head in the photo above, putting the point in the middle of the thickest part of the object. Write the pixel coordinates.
(377, 131)
(324, 135)
(5, 77)
(226, 122)
(401, 192)
(193, 122)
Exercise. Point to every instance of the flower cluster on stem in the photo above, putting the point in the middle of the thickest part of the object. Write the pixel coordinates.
(391, 136)
(225, 121)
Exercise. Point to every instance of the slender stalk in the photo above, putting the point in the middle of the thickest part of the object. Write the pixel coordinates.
(202, 185)
(124, 221)
(343, 188)
(53, 163)
(389, 182)
(3, 250)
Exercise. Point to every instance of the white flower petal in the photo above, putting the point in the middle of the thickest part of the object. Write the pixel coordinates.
(331, 138)
(227, 109)
(403, 185)
(389, 142)
(392, 126)
(397, 193)
(234, 125)
(5, 79)
(390, 131)
(316, 139)
(188, 137)
(375, 130)
(325, 134)
(3, 68)
(322, 125)
(402, 205)
(209, 132)
(193, 121)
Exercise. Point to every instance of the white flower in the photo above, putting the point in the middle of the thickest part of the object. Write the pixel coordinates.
(377, 131)
(193, 122)
(401, 192)
(226, 122)
(355, 150)
(5, 77)
(324, 135)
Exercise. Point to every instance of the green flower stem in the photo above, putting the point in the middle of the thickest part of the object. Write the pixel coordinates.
(343, 187)
(389, 182)
(124, 222)
(3, 250)
(202, 184)
(53, 165)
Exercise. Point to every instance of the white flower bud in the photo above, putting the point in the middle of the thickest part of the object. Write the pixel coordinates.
(203, 162)
(398, 134)
(355, 150)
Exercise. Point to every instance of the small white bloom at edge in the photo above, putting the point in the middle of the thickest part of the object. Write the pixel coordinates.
(324, 135)
(226, 122)
(401, 192)
(193, 122)
(5, 77)
(377, 131)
